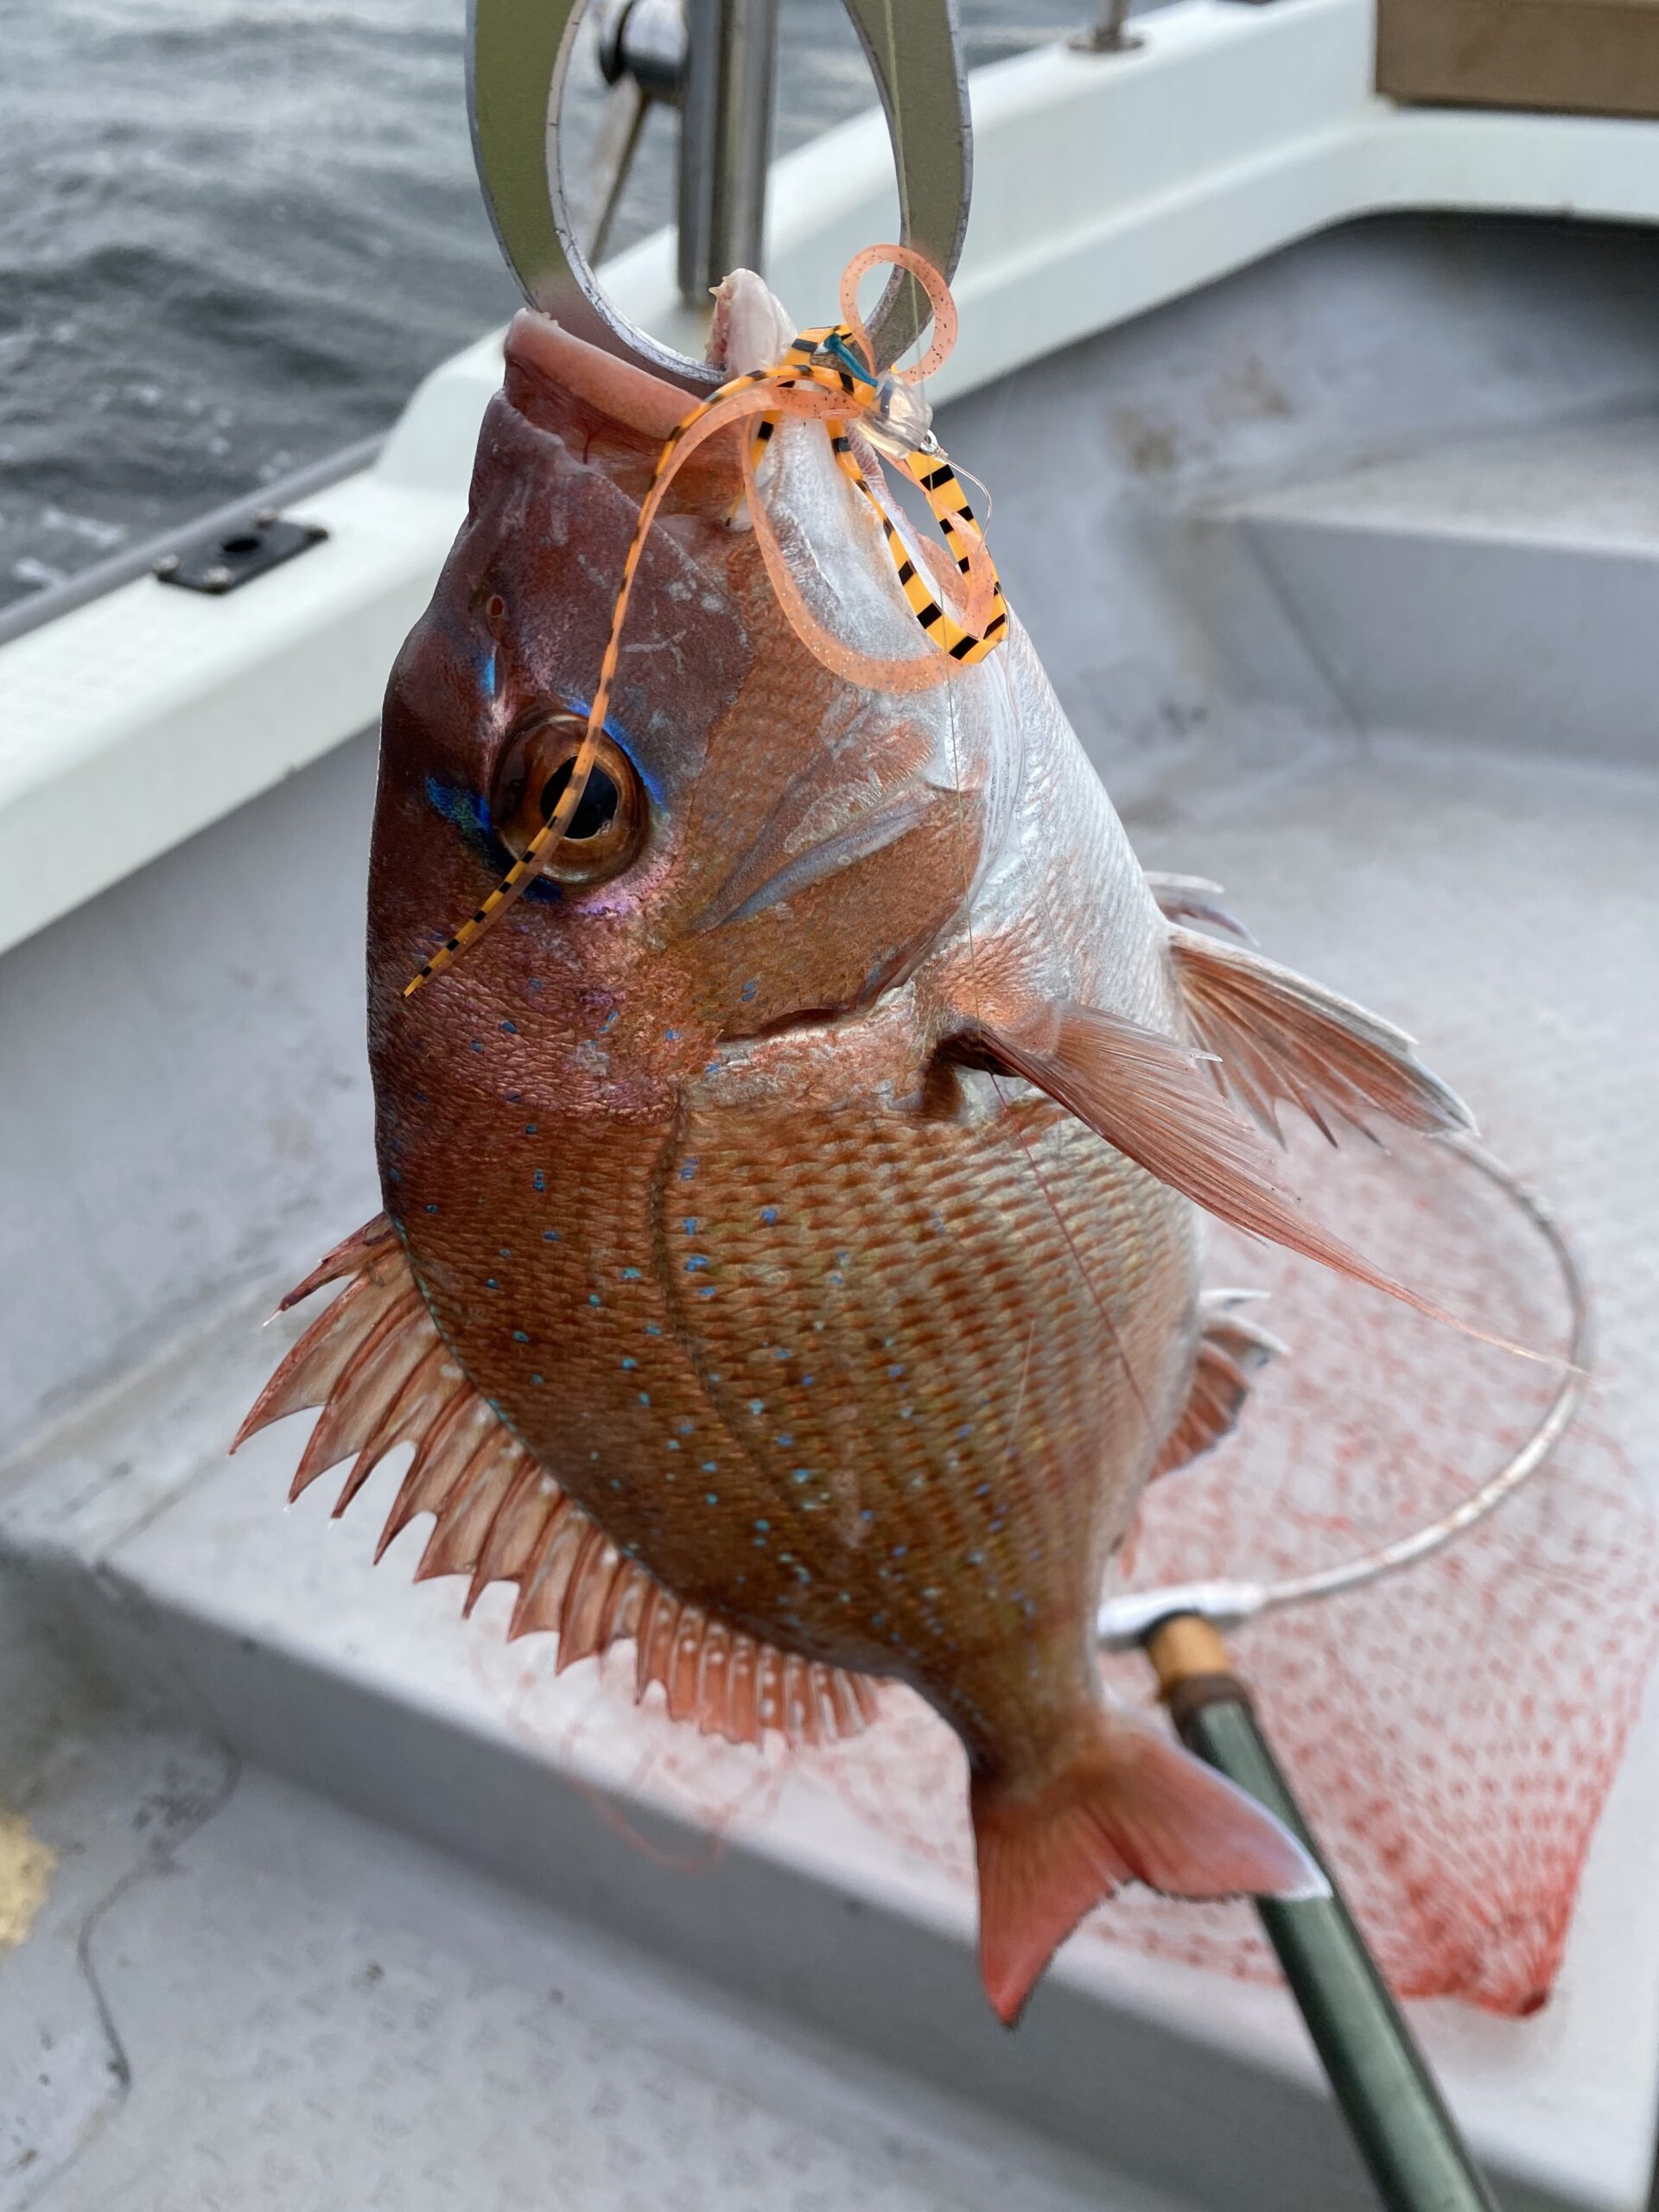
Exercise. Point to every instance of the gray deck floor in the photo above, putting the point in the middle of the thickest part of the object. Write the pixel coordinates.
(238, 1996)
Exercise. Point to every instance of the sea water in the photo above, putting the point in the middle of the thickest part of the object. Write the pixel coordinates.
(234, 233)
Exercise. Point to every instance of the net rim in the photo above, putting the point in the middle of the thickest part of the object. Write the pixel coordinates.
(1128, 1618)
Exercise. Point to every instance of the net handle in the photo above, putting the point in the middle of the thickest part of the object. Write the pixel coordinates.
(1125, 1621)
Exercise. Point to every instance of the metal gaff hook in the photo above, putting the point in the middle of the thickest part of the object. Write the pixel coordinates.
(518, 53)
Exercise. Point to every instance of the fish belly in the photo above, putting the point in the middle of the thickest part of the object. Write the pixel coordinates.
(882, 1388)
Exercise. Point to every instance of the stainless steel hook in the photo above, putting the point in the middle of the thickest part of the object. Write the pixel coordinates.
(520, 52)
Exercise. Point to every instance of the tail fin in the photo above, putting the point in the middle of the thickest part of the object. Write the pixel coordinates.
(1129, 1807)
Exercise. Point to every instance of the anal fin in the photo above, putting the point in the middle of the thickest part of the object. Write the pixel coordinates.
(1232, 1348)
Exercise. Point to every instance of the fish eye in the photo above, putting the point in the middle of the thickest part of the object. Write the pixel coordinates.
(608, 828)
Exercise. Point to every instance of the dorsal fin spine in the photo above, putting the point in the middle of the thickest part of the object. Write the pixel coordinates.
(375, 1363)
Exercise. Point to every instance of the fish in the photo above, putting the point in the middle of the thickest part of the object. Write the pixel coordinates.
(791, 1256)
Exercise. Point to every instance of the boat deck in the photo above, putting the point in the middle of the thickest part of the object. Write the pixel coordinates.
(240, 1996)
(326, 1852)
(283, 2002)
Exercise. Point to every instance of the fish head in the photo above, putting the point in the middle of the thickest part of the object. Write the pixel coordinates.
(763, 842)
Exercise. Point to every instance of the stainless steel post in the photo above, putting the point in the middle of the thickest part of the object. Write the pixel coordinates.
(725, 139)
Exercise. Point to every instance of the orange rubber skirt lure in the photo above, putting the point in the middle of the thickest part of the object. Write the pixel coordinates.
(828, 375)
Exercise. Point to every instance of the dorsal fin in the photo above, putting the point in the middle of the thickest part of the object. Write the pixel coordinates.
(375, 1363)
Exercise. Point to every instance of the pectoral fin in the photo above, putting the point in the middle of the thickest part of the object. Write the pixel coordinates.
(1157, 1101)
(1278, 1038)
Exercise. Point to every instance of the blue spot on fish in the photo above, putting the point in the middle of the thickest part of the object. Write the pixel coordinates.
(769, 1214)
(512, 1028)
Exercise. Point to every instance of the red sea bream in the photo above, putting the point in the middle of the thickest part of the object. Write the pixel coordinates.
(790, 1260)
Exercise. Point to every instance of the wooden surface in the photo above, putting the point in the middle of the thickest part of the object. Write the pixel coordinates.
(1596, 57)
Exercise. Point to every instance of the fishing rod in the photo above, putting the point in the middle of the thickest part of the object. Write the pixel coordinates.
(1378, 2075)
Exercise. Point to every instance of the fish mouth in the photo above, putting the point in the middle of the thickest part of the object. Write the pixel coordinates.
(613, 415)
(548, 368)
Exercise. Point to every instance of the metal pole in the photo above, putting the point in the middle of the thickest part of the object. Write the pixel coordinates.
(1379, 2078)
(725, 139)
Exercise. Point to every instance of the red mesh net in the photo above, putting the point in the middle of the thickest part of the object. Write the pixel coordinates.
(1452, 1731)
